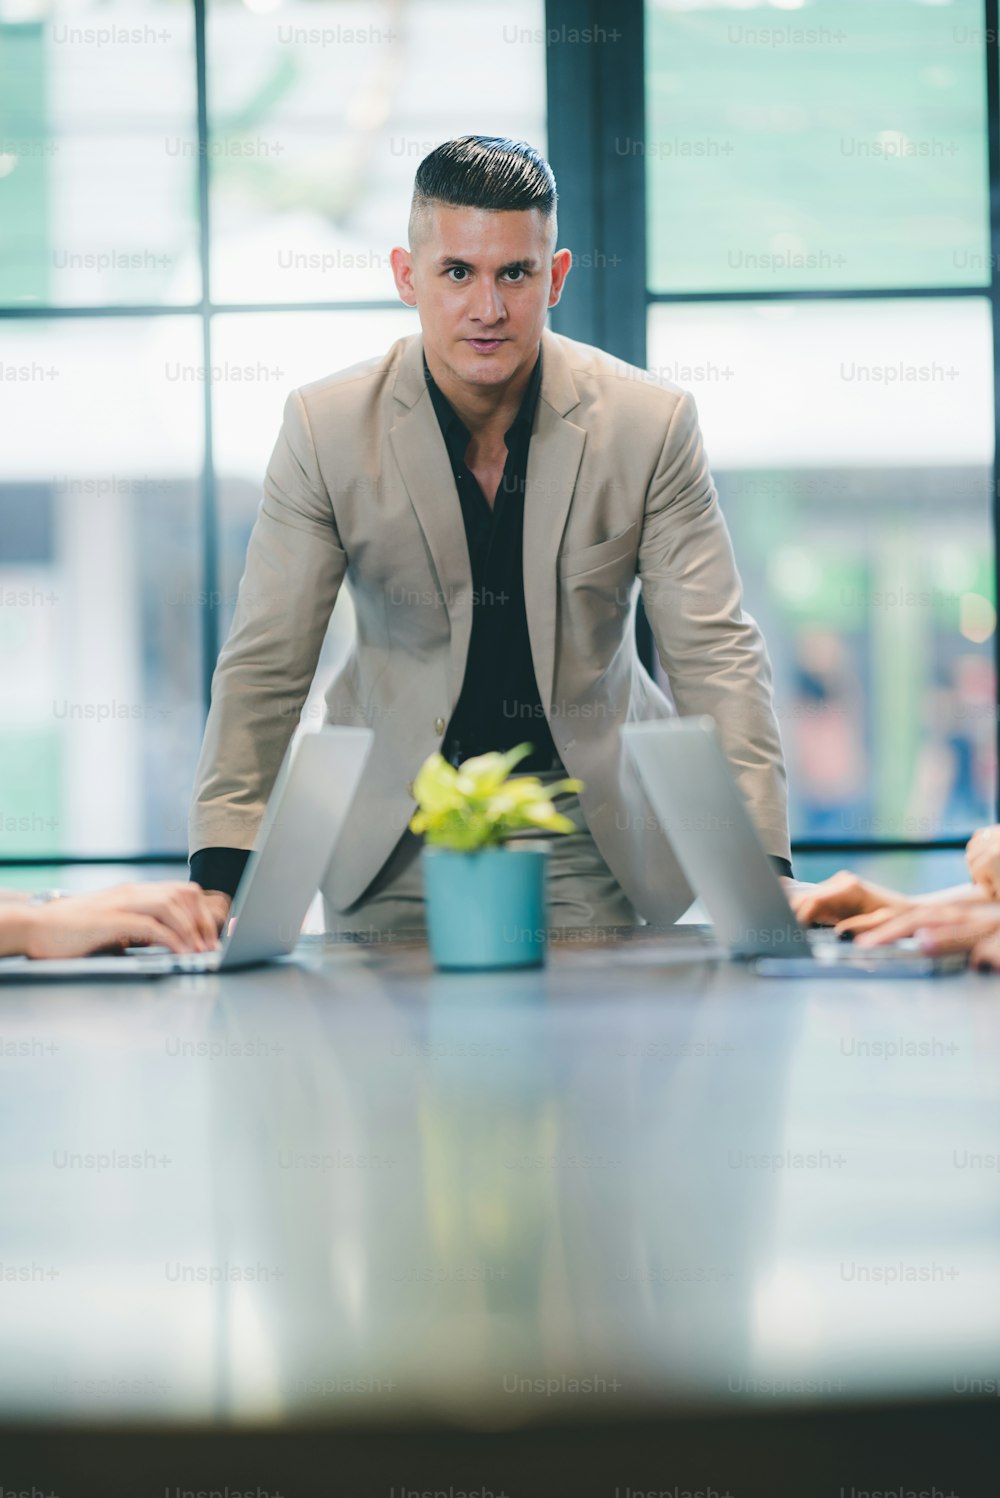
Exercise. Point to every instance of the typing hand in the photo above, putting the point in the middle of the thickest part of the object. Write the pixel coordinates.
(940, 928)
(842, 895)
(171, 914)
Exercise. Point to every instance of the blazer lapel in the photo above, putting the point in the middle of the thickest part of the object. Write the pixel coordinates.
(553, 463)
(423, 462)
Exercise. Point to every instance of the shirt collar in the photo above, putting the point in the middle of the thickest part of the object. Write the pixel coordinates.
(452, 423)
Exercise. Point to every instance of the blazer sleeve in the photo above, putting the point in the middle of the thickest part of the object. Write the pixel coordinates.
(294, 567)
(711, 650)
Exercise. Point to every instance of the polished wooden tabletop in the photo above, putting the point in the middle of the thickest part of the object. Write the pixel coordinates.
(634, 1185)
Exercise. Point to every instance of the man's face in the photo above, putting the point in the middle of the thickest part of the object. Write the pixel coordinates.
(482, 281)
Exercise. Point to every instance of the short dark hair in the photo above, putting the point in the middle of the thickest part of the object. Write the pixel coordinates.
(484, 171)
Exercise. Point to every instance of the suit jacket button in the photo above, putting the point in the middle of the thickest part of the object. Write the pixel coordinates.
(439, 725)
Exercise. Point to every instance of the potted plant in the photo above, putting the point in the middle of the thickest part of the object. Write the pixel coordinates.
(485, 894)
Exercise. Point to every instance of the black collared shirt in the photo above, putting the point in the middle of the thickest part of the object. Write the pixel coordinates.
(499, 704)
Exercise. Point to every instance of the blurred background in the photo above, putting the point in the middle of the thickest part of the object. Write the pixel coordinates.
(782, 207)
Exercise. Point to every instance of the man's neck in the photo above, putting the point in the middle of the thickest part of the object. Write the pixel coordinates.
(485, 410)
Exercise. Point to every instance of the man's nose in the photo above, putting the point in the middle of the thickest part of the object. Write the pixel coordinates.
(488, 306)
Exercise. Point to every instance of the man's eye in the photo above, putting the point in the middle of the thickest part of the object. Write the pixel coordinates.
(516, 273)
(458, 270)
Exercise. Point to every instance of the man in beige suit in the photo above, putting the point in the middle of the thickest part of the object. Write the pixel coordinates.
(493, 496)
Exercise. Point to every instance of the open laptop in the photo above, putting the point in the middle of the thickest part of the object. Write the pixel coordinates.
(306, 810)
(692, 790)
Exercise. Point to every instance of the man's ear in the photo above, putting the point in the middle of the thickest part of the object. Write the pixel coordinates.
(562, 262)
(402, 273)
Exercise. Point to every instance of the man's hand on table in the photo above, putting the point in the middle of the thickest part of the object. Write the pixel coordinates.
(172, 914)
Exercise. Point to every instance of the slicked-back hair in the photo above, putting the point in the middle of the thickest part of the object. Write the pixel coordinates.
(484, 171)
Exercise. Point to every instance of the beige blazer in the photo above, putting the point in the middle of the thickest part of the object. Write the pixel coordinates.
(359, 490)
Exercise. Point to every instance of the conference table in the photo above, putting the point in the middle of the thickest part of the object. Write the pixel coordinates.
(637, 1221)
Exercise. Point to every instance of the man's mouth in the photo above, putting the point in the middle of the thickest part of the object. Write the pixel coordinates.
(485, 345)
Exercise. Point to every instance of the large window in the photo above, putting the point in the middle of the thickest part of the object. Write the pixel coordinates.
(841, 147)
(196, 207)
(145, 265)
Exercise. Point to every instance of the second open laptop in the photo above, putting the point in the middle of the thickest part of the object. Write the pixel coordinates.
(694, 795)
(305, 812)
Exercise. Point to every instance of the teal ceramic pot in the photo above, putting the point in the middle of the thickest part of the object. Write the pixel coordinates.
(486, 909)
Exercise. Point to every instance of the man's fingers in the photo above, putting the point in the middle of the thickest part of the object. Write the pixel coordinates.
(137, 930)
(183, 908)
(170, 910)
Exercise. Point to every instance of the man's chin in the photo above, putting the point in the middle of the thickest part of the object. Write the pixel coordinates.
(486, 368)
